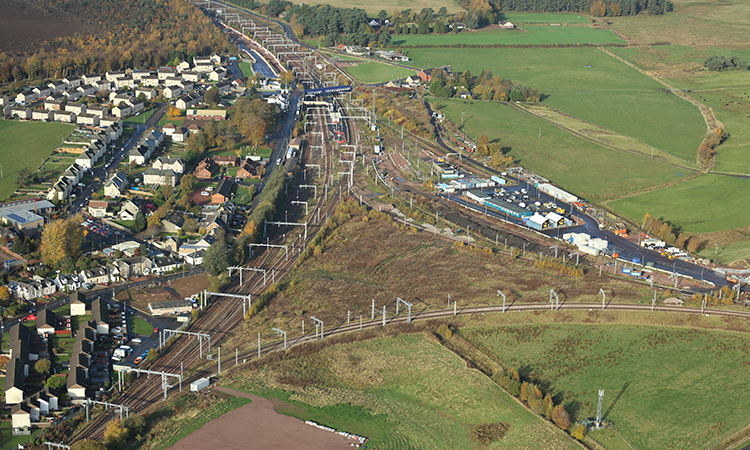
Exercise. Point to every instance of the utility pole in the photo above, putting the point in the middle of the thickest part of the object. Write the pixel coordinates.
(499, 293)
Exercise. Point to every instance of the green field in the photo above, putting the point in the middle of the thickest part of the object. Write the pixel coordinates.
(519, 17)
(533, 35)
(10, 442)
(246, 68)
(377, 72)
(559, 155)
(599, 94)
(670, 384)
(400, 392)
(26, 144)
(701, 205)
(141, 327)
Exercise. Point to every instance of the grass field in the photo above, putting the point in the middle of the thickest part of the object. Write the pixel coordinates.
(376, 72)
(141, 327)
(533, 35)
(246, 68)
(669, 385)
(558, 155)
(519, 17)
(34, 141)
(10, 442)
(609, 93)
(401, 392)
(691, 23)
(701, 205)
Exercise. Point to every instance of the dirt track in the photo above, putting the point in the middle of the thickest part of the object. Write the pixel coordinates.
(259, 426)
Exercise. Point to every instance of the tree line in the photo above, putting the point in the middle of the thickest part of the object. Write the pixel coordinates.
(595, 7)
(139, 34)
(485, 86)
(718, 63)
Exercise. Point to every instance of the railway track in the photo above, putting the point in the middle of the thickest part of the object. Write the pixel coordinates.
(222, 314)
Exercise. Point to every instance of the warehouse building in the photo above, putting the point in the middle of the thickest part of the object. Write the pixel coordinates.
(508, 208)
(171, 307)
(557, 193)
(477, 196)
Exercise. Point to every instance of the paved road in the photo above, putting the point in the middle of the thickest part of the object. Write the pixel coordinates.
(99, 175)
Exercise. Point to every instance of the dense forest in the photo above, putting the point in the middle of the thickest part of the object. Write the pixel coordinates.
(139, 34)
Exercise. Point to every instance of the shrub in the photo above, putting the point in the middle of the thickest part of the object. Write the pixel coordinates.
(561, 417)
(488, 432)
(578, 431)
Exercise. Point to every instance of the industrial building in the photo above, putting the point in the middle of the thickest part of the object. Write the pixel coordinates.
(170, 307)
(557, 193)
(508, 208)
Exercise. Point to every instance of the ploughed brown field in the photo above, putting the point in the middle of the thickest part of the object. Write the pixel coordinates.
(258, 426)
(24, 27)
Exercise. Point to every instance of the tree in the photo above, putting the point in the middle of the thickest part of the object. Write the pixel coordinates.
(140, 222)
(414, 28)
(188, 182)
(212, 96)
(42, 366)
(135, 424)
(483, 144)
(88, 445)
(561, 417)
(385, 38)
(217, 258)
(4, 293)
(382, 15)
(61, 238)
(549, 407)
(287, 78)
(173, 111)
(56, 383)
(578, 431)
(115, 435)
(190, 225)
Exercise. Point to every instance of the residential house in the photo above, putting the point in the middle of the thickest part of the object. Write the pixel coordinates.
(205, 114)
(91, 78)
(86, 159)
(173, 81)
(166, 177)
(57, 86)
(115, 185)
(193, 129)
(98, 208)
(150, 81)
(217, 74)
(507, 25)
(194, 258)
(203, 67)
(20, 416)
(248, 169)
(64, 116)
(68, 283)
(125, 82)
(72, 81)
(41, 114)
(46, 322)
(25, 97)
(214, 223)
(4, 100)
(15, 380)
(183, 66)
(137, 105)
(22, 112)
(138, 75)
(204, 171)
(129, 210)
(225, 160)
(180, 134)
(165, 72)
(224, 87)
(168, 162)
(163, 264)
(222, 191)
(76, 384)
(99, 275)
(100, 314)
(59, 191)
(98, 110)
(88, 119)
(107, 121)
(42, 91)
(78, 108)
(191, 76)
(77, 303)
(114, 75)
(51, 104)
(148, 93)
(172, 92)
(186, 86)
(72, 94)
(189, 100)
(87, 89)
(173, 222)
(139, 154)
(114, 131)
(122, 110)
(134, 267)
